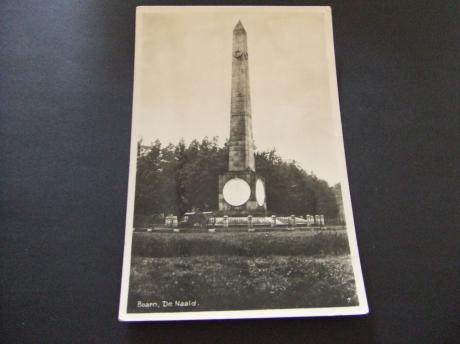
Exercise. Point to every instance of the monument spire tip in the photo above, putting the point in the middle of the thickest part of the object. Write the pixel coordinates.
(239, 26)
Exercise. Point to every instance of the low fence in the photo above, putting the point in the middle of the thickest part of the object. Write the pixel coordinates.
(249, 221)
(267, 221)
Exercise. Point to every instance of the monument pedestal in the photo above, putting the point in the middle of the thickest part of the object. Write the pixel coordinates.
(235, 187)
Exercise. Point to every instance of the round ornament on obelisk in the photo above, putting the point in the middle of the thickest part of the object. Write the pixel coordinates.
(260, 192)
(236, 192)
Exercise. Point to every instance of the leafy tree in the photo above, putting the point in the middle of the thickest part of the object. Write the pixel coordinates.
(174, 179)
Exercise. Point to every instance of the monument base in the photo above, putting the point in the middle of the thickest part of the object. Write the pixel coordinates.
(253, 206)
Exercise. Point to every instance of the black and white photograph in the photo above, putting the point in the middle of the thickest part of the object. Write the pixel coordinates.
(238, 199)
(181, 172)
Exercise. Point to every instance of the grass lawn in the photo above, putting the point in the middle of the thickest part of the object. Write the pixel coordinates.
(236, 271)
(254, 244)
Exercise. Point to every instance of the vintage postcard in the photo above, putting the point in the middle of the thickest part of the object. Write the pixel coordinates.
(238, 201)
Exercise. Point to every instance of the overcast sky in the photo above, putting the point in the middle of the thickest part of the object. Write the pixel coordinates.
(183, 80)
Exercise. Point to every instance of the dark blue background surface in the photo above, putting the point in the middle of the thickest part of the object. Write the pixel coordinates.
(66, 73)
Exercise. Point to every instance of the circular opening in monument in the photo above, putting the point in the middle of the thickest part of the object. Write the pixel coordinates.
(236, 192)
(260, 192)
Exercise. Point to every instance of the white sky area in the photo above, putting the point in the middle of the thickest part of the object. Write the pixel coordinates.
(183, 81)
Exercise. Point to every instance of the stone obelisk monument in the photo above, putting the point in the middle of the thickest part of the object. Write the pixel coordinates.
(241, 190)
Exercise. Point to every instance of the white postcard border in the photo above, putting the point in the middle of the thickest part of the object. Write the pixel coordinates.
(362, 308)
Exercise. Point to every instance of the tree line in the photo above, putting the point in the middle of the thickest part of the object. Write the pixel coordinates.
(174, 179)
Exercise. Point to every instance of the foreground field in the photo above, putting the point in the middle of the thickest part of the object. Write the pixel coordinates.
(235, 271)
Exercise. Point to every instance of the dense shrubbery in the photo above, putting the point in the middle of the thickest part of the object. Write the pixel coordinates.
(174, 179)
